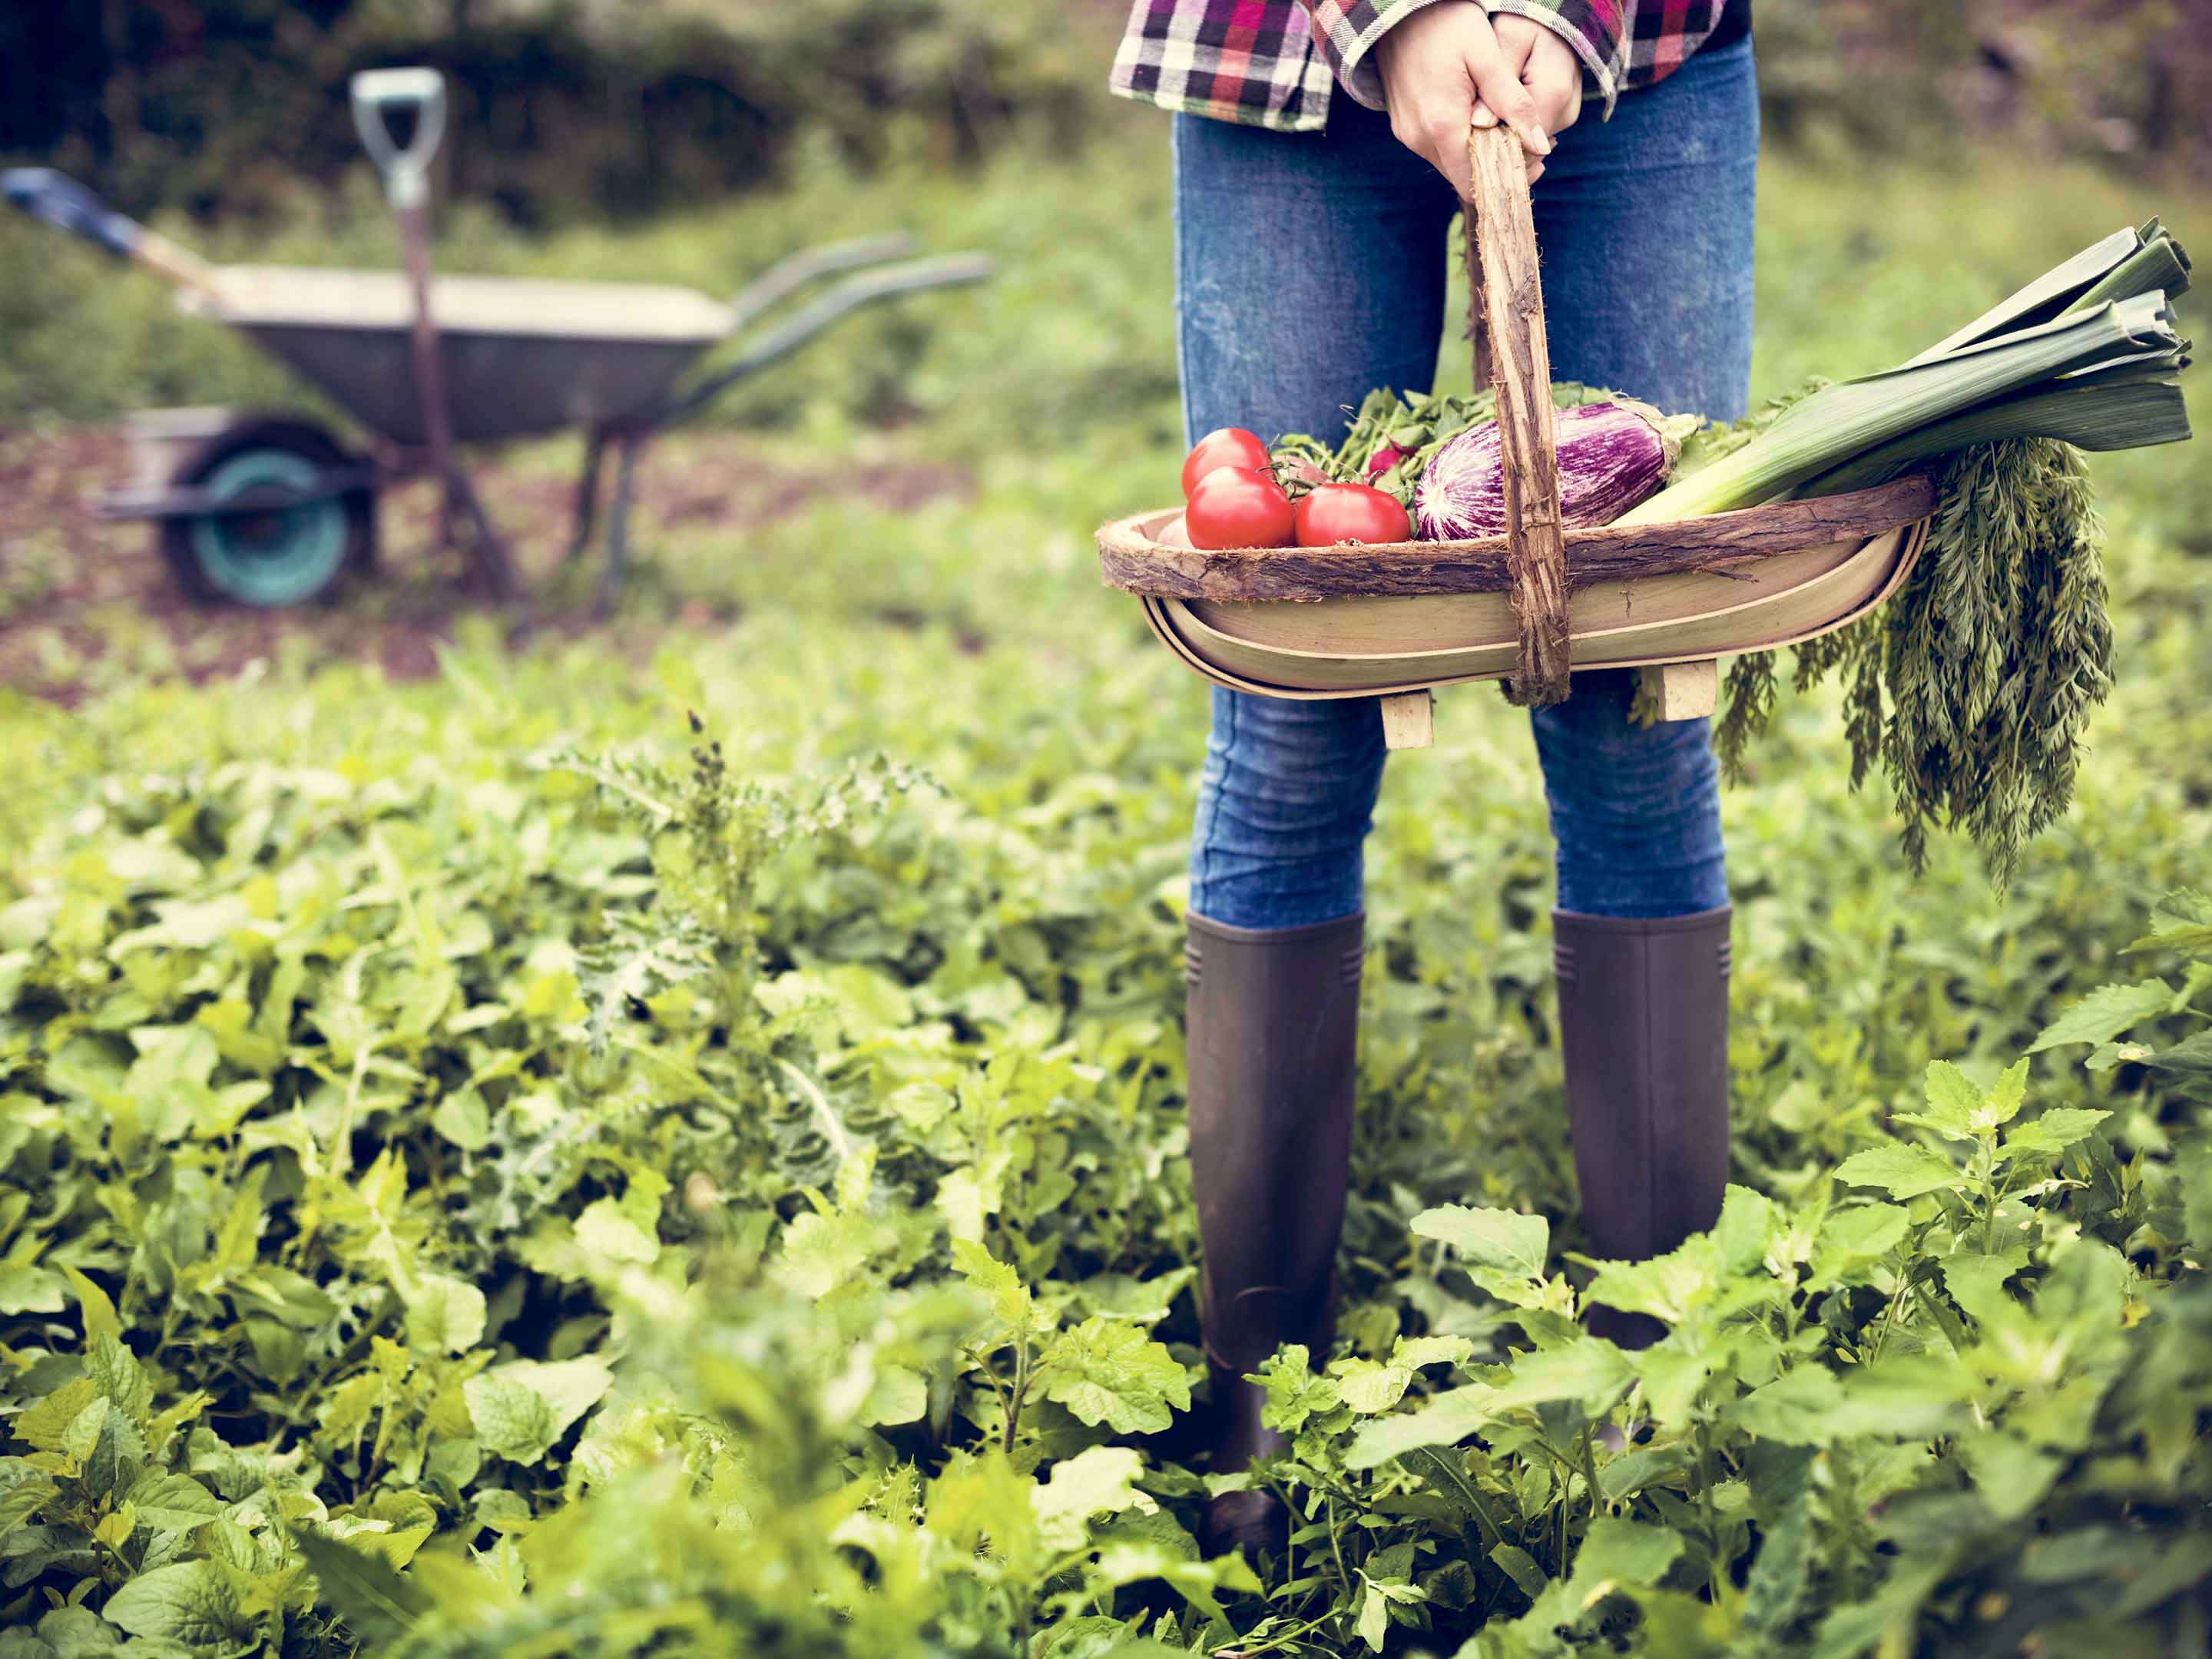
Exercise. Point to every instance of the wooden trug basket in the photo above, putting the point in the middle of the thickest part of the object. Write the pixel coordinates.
(1396, 620)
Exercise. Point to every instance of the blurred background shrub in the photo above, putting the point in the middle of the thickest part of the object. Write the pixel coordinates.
(565, 108)
(571, 109)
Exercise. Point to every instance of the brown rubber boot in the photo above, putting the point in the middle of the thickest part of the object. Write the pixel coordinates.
(1273, 1031)
(1643, 1031)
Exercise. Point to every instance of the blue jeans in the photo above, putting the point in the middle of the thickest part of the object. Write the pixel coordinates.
(1310, 269)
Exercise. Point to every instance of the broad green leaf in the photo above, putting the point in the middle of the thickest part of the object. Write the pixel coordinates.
(1443, 1419)
(1669, 1288)
(1977, 1282)
(1369, 1387)
(1174, 1563)
(1374, 1624)
(84, 1431)
(444, 1314)
(99, 1316)
(194, 1603)
(25, 1289)
(1108, 1371)
(2051, 1133)
(1797, 1409)
(1591, 1372)
(2104, 1013)
(960, 1196)
(361, 1587)
(1900, 1170)
(1504, 1239)
(463, 1119)
(174, 1503)
(1953, 1101)
(822, 1252)
(521, 1409)
(1614, 1553)
(2011, 1475)
(20, 1502)
(1010, 1299)
(900, 1395)
(1892, 1612)
(610, 1231)
(1782, 1571)
(2184, 924)
(2005, 1098)
(1746, 1227)
(1521, 1567)
(2191, 1057)
(1623, 1552)
(1146, 1301)
(1093, 1482)
(1851, 1240)
(1672, 1378)
(44, 1426)
(1418, 1350)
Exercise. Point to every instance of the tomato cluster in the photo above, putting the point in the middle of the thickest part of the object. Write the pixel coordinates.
(1234, 499)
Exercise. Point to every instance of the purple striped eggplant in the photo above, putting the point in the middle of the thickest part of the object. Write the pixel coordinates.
(1611, 455)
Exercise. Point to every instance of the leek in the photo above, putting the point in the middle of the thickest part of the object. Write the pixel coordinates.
(1973, 688)
(2086, 352)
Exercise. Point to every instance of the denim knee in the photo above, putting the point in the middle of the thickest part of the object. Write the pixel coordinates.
(1284, 808)
(1635, 810)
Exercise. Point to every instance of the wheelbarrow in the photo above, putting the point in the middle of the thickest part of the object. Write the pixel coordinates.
(274, 510)
(1395, 621)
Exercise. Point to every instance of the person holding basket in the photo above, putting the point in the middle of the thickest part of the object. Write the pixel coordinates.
(1320, 153)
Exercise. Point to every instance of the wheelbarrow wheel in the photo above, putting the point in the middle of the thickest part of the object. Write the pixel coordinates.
(293, 556)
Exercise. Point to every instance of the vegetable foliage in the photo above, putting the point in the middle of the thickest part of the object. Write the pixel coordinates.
(592, 1201)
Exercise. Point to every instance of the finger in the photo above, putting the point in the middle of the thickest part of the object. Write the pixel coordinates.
(1516, 40)
(1501, 89)
(1437, 134)
(1559, 97)
(1484, 117)
(1447, 152)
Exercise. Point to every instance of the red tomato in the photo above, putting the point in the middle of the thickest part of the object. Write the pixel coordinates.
(1230, 446)
(1351, 513)
(1239, 507)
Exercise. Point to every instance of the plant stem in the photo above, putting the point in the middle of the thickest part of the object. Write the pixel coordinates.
(1021, 1388)
(1704, 1435)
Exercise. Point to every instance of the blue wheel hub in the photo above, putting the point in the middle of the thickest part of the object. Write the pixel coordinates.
(285, 556)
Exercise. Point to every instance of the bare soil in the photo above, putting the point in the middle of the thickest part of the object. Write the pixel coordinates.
(81, 597)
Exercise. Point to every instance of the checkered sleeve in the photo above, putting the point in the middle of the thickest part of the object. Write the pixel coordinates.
(1602, 32)
(1347, 30)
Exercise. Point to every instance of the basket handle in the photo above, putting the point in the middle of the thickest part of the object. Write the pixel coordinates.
(1506, 323)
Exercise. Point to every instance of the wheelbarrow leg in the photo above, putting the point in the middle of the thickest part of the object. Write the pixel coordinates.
(618, 564)
(587, 494)
(468, 527)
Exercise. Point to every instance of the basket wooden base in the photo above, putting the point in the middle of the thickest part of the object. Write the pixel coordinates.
(1357, 647)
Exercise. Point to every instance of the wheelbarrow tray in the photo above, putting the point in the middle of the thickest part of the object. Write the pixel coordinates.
(522, 356)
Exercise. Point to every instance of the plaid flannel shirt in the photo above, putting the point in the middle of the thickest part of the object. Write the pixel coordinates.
(1275, 63)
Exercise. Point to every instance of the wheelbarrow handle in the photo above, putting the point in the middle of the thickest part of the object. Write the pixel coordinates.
(787, 276)
(378, 96)
(61, 202)
(946, 270)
